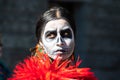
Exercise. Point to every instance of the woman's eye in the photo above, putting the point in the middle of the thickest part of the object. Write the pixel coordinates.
(51, 36)
(66, 34)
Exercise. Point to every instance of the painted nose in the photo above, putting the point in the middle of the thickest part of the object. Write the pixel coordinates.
(60, 41)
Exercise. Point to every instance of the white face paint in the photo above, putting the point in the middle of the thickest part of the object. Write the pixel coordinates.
(58, 39)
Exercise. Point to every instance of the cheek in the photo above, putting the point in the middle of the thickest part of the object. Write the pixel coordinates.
(48, 45)
(69, 42)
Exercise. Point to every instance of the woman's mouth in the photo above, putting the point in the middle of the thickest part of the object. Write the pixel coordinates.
(60, 51)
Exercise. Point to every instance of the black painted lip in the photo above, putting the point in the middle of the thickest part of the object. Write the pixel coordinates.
(61, 50)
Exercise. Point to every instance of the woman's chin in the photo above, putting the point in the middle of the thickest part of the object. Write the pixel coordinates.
(59, 56)
(63, 56)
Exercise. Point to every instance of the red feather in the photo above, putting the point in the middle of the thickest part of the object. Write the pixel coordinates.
(34, 68)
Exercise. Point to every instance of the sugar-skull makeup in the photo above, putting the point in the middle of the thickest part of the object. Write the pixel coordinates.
(58, 39)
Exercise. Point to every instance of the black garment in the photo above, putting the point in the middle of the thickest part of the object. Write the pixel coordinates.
(4, 72)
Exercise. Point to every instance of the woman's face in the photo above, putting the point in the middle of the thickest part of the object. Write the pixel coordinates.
(58, 39)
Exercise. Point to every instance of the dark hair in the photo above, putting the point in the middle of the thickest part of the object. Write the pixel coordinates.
(53, 14)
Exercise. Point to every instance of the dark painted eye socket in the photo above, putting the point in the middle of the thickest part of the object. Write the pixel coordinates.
(51, 35)
(66, 33)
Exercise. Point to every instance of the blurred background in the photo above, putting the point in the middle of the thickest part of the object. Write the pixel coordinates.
(97, 35)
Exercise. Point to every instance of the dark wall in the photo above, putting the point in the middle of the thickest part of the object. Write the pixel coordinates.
(17, 25)
(98, 37)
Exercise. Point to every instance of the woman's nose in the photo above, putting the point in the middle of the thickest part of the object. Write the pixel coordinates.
(60, 41)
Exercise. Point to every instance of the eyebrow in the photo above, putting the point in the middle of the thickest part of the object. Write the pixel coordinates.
(50, 31)
(67, 29)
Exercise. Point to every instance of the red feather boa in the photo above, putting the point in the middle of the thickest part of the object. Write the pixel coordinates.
(34, 68)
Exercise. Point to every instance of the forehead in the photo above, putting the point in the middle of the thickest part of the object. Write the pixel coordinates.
(57, 24)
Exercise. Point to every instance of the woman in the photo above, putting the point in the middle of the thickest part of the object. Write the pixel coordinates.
(55, 33)
(53, 57)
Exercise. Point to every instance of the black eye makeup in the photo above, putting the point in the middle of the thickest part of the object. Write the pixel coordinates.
(66, 33)
(51, 34)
